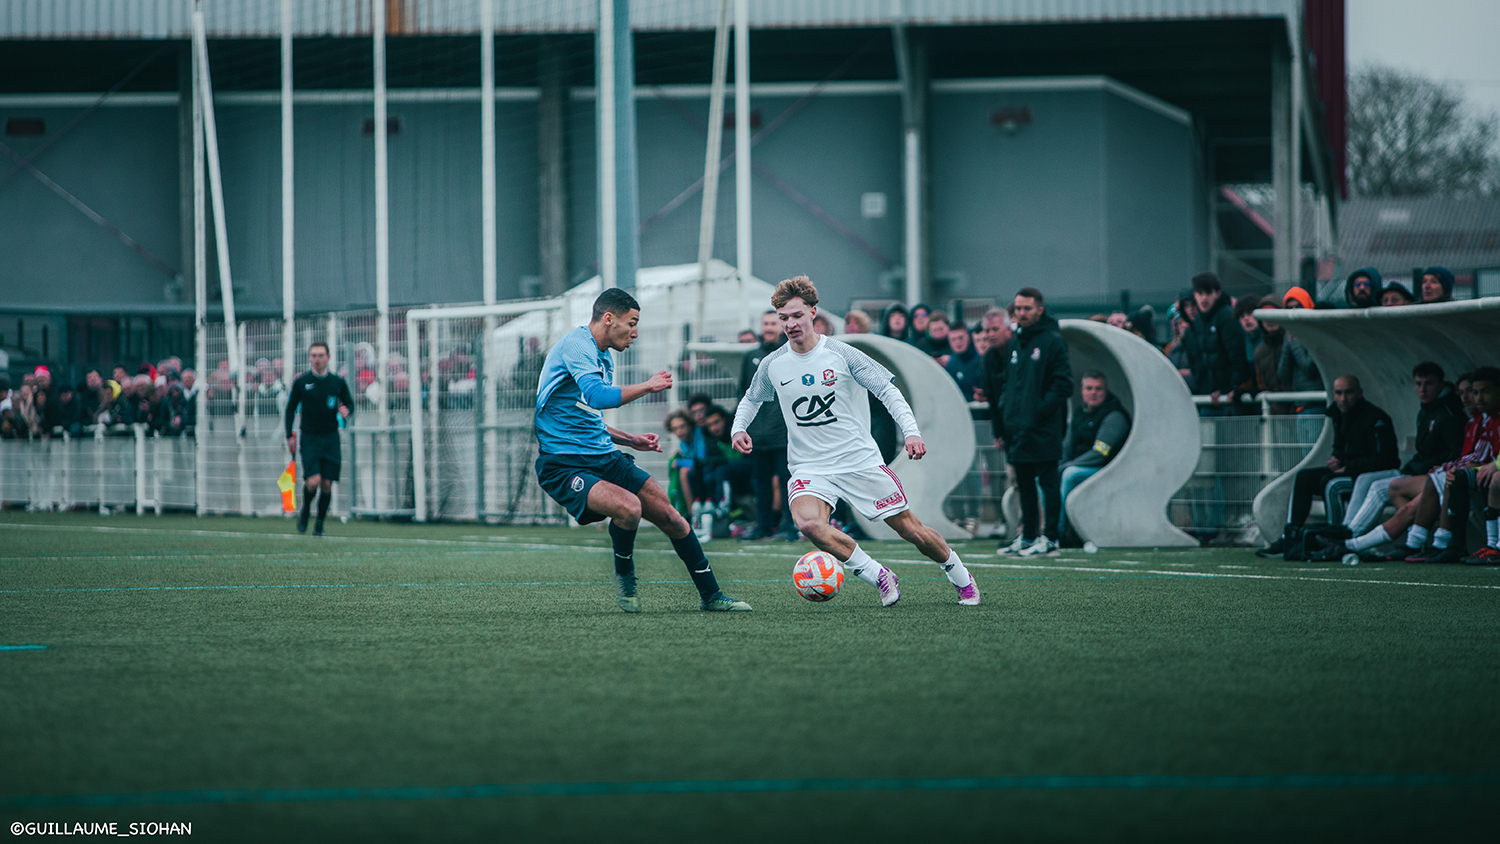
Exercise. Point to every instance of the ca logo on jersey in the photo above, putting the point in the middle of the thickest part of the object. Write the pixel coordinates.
(807, 380)
(819, 410)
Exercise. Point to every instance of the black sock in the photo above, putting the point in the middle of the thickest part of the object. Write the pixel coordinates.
(691, 552)
(308, 494)
(323, 503)
(624, 541)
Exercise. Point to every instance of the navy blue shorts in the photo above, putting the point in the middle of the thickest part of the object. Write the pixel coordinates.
(569, 477)
(321, 455)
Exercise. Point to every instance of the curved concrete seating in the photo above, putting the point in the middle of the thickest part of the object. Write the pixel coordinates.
(1379, 346)
(1124, 505)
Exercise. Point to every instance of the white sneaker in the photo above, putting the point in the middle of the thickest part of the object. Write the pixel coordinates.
(1042, 547)
(1016, 546)
(969, 595)
(889, 585)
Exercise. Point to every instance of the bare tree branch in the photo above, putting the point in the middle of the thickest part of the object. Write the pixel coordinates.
(1412, 136)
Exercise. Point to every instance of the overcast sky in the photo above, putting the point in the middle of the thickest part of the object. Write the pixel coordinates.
(1452, 40)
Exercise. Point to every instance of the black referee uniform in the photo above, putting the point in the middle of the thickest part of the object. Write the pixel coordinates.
(320, 397)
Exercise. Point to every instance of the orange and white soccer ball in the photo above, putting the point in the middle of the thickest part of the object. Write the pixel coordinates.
(818, 576)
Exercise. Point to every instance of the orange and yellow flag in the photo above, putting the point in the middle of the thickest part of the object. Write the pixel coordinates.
(288, 484)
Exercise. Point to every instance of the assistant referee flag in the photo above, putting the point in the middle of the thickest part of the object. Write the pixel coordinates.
(288, 484)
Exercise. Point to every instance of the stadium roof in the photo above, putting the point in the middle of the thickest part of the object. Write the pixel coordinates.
(159, 19)
(1396, 235)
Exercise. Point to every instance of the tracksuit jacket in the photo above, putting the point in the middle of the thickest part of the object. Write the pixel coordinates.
(1028, 384)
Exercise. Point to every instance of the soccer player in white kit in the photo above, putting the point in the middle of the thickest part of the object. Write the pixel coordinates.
(822, 383)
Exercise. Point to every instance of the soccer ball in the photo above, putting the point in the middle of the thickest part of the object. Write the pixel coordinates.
(818, 576)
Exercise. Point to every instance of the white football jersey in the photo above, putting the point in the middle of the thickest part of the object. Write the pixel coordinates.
(824, 398)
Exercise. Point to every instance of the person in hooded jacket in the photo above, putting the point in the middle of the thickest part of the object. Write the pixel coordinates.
(894, 323)
(1098, 429)
(1437, 285)
(1029, 384)
(1395, 295)
(964, 363)
(1363, 287)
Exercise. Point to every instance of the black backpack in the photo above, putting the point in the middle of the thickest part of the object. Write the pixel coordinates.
(1303, 541)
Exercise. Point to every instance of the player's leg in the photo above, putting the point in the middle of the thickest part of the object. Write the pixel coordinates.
(935, 548)
(328, 468)
(655, 508)
(1489, 555)
(310, 487)
(811, 514)
(623, 509)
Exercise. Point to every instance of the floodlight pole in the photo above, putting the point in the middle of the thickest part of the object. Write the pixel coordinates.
(742, 149)
(288, 194)
(715, 146)
(487, 394)
(913, 82)
(200, 299)
(382, 213)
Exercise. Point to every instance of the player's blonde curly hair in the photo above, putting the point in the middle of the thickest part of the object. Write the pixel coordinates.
(797, 287)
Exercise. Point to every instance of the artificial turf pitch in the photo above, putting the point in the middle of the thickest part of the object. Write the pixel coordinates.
(457, 682)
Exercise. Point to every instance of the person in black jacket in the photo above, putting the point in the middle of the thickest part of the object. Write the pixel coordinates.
(768, 430)
(1028, 393)
(324, 397)
(1364, 440)
(1440, 438)
(1216, 350)
(1363, 287)
(1095, 435)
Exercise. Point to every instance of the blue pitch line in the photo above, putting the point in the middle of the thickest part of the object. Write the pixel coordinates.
(23, 647)
(597, 789)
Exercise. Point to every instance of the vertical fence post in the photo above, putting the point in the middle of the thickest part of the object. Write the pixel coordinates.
(99, 465)
(140, 468)
(419, 469)
(434, 394)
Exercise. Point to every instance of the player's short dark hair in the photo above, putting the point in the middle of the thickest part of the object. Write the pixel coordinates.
(1206, 283)
(614, 301)
(1486, 373)
(1094, 374)
(1427, 369)
(700, 398)
(1031, 293)
(796, 287)
(318, 343)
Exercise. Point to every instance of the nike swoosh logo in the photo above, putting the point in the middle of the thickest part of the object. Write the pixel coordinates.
(787, 381)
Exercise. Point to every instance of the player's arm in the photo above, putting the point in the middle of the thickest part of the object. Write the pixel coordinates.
(639, 442)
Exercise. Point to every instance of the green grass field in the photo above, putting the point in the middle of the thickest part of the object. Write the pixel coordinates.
(455, 682)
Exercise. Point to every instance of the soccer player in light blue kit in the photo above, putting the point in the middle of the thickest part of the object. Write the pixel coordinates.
(579, 465)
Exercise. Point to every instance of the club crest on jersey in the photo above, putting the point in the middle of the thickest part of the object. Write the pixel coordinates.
(807, 380)
(828, 378)
(577, 483)
(332, 400)
(1014, 355)
(1036, 354)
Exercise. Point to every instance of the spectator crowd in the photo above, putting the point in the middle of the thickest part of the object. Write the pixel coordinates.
(162, 397)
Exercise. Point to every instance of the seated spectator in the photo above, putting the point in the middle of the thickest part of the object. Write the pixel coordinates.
(1362, 288)
(727, 475)
(893, 322)
(1117, 319)
(1216, 348)
(934, 341)
(1095, 434)
(698, 405)
(821, 325)
(1440, 439)
(1395, 295)
(1418, 513)
(680, 466)
(7, 409)
(857, 322)
(1364, 440)
(918, 322)
(964, 363)
(1437, 285)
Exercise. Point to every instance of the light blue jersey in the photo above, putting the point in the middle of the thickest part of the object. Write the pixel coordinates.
(577, 382)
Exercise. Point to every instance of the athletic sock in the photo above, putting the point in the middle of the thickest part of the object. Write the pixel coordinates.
(1416, 537)
(308, 494)
(691, 552)
(1369, 540)
(1440, 538)
(864, 566)
(624, 542)
(323, 501)
(1492, 533)
(954, 568)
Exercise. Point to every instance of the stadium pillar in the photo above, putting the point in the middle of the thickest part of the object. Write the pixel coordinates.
(911, 63)
(742, 205)
(614, 109)
(216, 185)
(288, 265)
(382, 213)
(487, 142)
(200, 301)
(715, 145)
(552, 167)
(1285, 164)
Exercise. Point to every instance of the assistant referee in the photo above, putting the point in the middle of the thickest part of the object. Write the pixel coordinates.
(324, 397)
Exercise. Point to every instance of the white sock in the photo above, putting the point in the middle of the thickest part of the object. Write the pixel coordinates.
(1440, 538)
(1416, 537)
(1369, 540)
(957, 574)
(864, 566)
(1492, 533)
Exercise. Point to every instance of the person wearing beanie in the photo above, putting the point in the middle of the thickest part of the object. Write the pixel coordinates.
(1437, 285)
(1362, 288)
(1396, 295)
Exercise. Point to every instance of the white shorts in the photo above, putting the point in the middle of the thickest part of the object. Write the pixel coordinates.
(1440, 480)
(876, 492)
